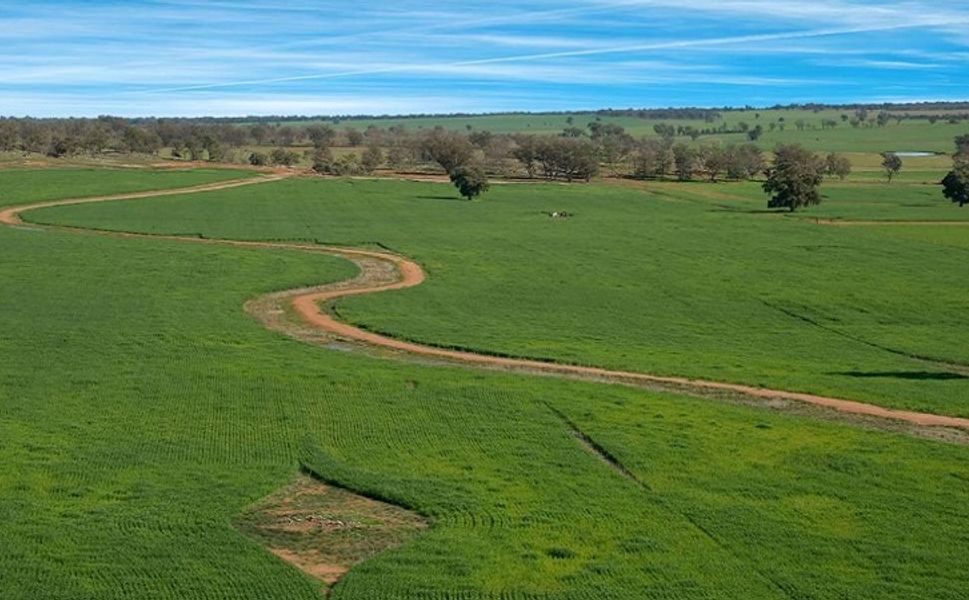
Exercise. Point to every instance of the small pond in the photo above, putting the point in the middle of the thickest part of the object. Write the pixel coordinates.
(912, 153)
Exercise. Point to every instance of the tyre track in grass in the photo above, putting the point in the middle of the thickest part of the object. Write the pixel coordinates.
(384, 271)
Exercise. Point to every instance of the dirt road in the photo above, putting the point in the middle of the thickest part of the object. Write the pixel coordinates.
(383, 271)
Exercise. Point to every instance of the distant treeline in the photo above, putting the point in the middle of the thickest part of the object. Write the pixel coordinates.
(705, 114)
(670, 113)
(576, 153)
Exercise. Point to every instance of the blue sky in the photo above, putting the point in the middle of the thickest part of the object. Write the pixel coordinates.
(240, 57)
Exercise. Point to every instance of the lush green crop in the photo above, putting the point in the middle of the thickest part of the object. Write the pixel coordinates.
(676, 279)
(141, 409)
(16, 185)
(909, 135)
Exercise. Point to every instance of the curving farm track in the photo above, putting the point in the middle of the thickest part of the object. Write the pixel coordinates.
(383, 271)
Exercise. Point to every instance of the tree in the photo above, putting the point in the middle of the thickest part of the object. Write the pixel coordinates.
(755, 133)
(567, 158)
(258, 159)
(259, 134)
(601, 130)
(612, 144)
(354, 137)
(140, 140)
(321, 136)
(837, 165)
(448, 149)
(526, 152)
(348, 164)
(794, 179)
(481, 139)
(653, 158)
(686, 162)
(962, 146)
(470, 181)
(665, 131)
(214, 151)
(955, 186)
(372, 158)
(321, 160)
(9, 135)
(892, 164)
(714, 161)
(282, 156)
(61, 146)
(399, 156)
(743, 161)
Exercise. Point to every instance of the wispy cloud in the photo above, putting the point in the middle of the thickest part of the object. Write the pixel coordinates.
(139, 57)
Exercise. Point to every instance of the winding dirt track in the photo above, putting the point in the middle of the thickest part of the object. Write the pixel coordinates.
(383, 271)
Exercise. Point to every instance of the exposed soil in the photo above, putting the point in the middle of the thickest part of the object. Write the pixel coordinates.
(11, 214)
(324, 530)
(383, 271)
(307, 305)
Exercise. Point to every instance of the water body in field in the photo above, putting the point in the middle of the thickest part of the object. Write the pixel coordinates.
(912, 153)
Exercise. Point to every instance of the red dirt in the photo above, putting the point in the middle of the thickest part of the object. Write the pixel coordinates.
(307, 305)
(11, 214)
(312, 564)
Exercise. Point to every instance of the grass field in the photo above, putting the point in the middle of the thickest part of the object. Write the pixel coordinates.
(676, 279)
(141, 409)
(18, 185)
(909, 135)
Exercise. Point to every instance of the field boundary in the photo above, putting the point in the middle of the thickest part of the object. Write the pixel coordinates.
(385, 271)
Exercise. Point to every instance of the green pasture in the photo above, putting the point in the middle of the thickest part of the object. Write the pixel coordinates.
(676, 279)
(141, 409)
(20, 185)
(909, 135)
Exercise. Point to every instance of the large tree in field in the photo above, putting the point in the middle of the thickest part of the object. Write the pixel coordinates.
(892, 164)
(955, 186)
(794, 178)
(470, 181)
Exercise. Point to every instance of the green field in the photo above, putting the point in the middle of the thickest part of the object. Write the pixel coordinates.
(676, 279)
(141, 409)
(19, 185)
(909, 135)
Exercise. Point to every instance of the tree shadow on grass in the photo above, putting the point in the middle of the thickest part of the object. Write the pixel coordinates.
(451, 198)
(718, 208)
(911, 375)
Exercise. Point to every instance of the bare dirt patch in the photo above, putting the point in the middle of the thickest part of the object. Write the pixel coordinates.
(325, 530)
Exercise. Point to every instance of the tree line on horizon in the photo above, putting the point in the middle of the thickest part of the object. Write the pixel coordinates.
(468, 157)
(576, 153)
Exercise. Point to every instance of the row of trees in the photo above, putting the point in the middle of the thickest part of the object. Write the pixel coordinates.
(795, 177)
(566, 157)
(660, 158)
(187, 138)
